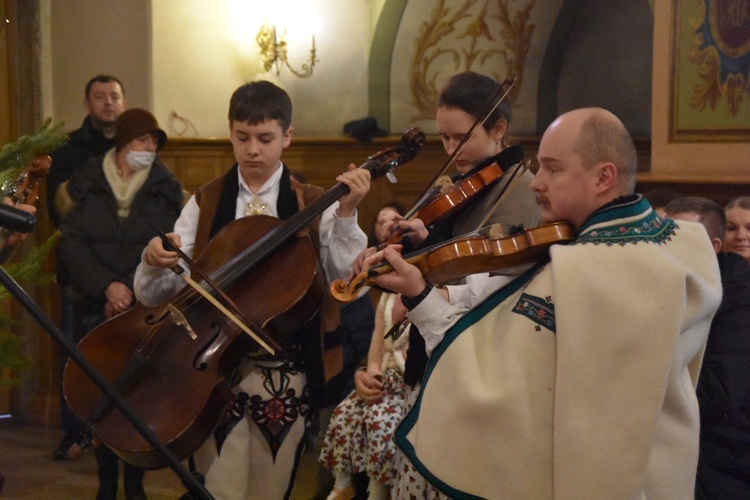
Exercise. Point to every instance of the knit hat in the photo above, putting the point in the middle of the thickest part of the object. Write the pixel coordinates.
(135, 122)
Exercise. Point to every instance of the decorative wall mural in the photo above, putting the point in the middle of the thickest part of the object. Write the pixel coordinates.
(493, 37)
(711, 71)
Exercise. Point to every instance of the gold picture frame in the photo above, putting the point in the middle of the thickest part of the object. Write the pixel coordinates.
(710, 71)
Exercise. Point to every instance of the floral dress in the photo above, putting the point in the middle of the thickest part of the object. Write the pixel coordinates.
(360, 436)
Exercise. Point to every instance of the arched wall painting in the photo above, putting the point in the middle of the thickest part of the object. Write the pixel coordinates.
(435, 39)
(710, 71)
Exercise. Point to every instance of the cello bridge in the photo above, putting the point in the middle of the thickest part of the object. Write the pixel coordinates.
(179, 319)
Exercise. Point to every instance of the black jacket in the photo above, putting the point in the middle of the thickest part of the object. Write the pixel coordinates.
(83, 144)
(98, 248)
(724, 383)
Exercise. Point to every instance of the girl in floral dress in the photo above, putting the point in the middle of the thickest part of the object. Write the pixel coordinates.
(360, 435)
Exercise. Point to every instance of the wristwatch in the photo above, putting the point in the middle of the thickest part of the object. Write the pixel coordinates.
(412, 302)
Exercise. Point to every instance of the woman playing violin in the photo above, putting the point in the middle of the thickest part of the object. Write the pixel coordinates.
(253, 450)
(461, 103)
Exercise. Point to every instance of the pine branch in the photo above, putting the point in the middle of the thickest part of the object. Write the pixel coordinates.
(16, 155)
(29, 268)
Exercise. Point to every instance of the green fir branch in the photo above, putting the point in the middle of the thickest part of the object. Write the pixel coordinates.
(14, 157)
(18, 154)
(29, 268)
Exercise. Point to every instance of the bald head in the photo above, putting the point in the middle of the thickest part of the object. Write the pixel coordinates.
(586, 159)
(602, 138)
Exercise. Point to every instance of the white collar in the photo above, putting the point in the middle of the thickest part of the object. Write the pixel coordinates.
(267, 187)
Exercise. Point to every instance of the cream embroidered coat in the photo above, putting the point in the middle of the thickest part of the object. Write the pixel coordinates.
(577, 380)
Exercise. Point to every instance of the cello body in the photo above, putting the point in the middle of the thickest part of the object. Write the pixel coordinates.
(178, 384)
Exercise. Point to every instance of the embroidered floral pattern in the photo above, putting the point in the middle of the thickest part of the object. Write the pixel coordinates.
(276, 414)
(539, 310)
(648, 230)
(233, 413)
(360, 436)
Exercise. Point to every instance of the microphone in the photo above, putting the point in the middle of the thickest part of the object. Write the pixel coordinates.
(16, 219)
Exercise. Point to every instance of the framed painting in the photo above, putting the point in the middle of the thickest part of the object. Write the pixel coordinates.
(710, 71)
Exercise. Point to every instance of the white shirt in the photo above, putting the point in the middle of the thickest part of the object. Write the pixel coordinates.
(341, 240)
(434, 315)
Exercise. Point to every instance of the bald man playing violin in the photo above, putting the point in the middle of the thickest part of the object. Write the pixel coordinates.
(576, 379)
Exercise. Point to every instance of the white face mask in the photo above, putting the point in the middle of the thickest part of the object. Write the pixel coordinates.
(139, 160)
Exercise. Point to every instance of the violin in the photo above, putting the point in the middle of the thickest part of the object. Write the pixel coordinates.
(25, 189)
(171, 363)
(469, 254)
(461, 193)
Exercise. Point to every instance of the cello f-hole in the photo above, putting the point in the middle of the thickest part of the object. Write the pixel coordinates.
(215, 344)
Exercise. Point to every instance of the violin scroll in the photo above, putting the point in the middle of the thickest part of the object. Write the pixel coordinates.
(346, 293)
(25, 188)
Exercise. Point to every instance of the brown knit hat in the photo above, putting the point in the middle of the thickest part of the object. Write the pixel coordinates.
(135, 122)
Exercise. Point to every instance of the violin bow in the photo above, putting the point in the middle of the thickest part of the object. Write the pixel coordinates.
(246, 325)
(499, 97)
(398, 329)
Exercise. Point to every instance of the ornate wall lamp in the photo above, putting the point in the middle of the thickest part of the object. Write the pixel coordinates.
(273, 51)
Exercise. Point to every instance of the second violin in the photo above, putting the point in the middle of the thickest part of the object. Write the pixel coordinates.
(462, 192)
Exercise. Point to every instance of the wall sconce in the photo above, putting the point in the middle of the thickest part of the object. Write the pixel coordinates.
(273, 52)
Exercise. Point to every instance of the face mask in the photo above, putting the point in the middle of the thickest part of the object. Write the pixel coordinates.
(139, 160)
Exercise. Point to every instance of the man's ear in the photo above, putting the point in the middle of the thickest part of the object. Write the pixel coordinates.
(716, 242)
(607, 177)
(87, 105)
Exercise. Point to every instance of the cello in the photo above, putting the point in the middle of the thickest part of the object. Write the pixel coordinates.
(171, 362)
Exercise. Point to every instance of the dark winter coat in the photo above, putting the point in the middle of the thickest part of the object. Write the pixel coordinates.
(724, 383)
(83, 144)
(97, 247)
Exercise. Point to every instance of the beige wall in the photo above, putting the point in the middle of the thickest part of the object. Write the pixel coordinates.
(695, 159)
(83, 38)
(187, 56)
(199, 59)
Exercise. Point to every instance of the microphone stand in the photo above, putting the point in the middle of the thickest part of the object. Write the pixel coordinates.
(194, 486)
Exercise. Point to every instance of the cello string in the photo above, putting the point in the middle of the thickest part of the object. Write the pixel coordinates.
(246, 325)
